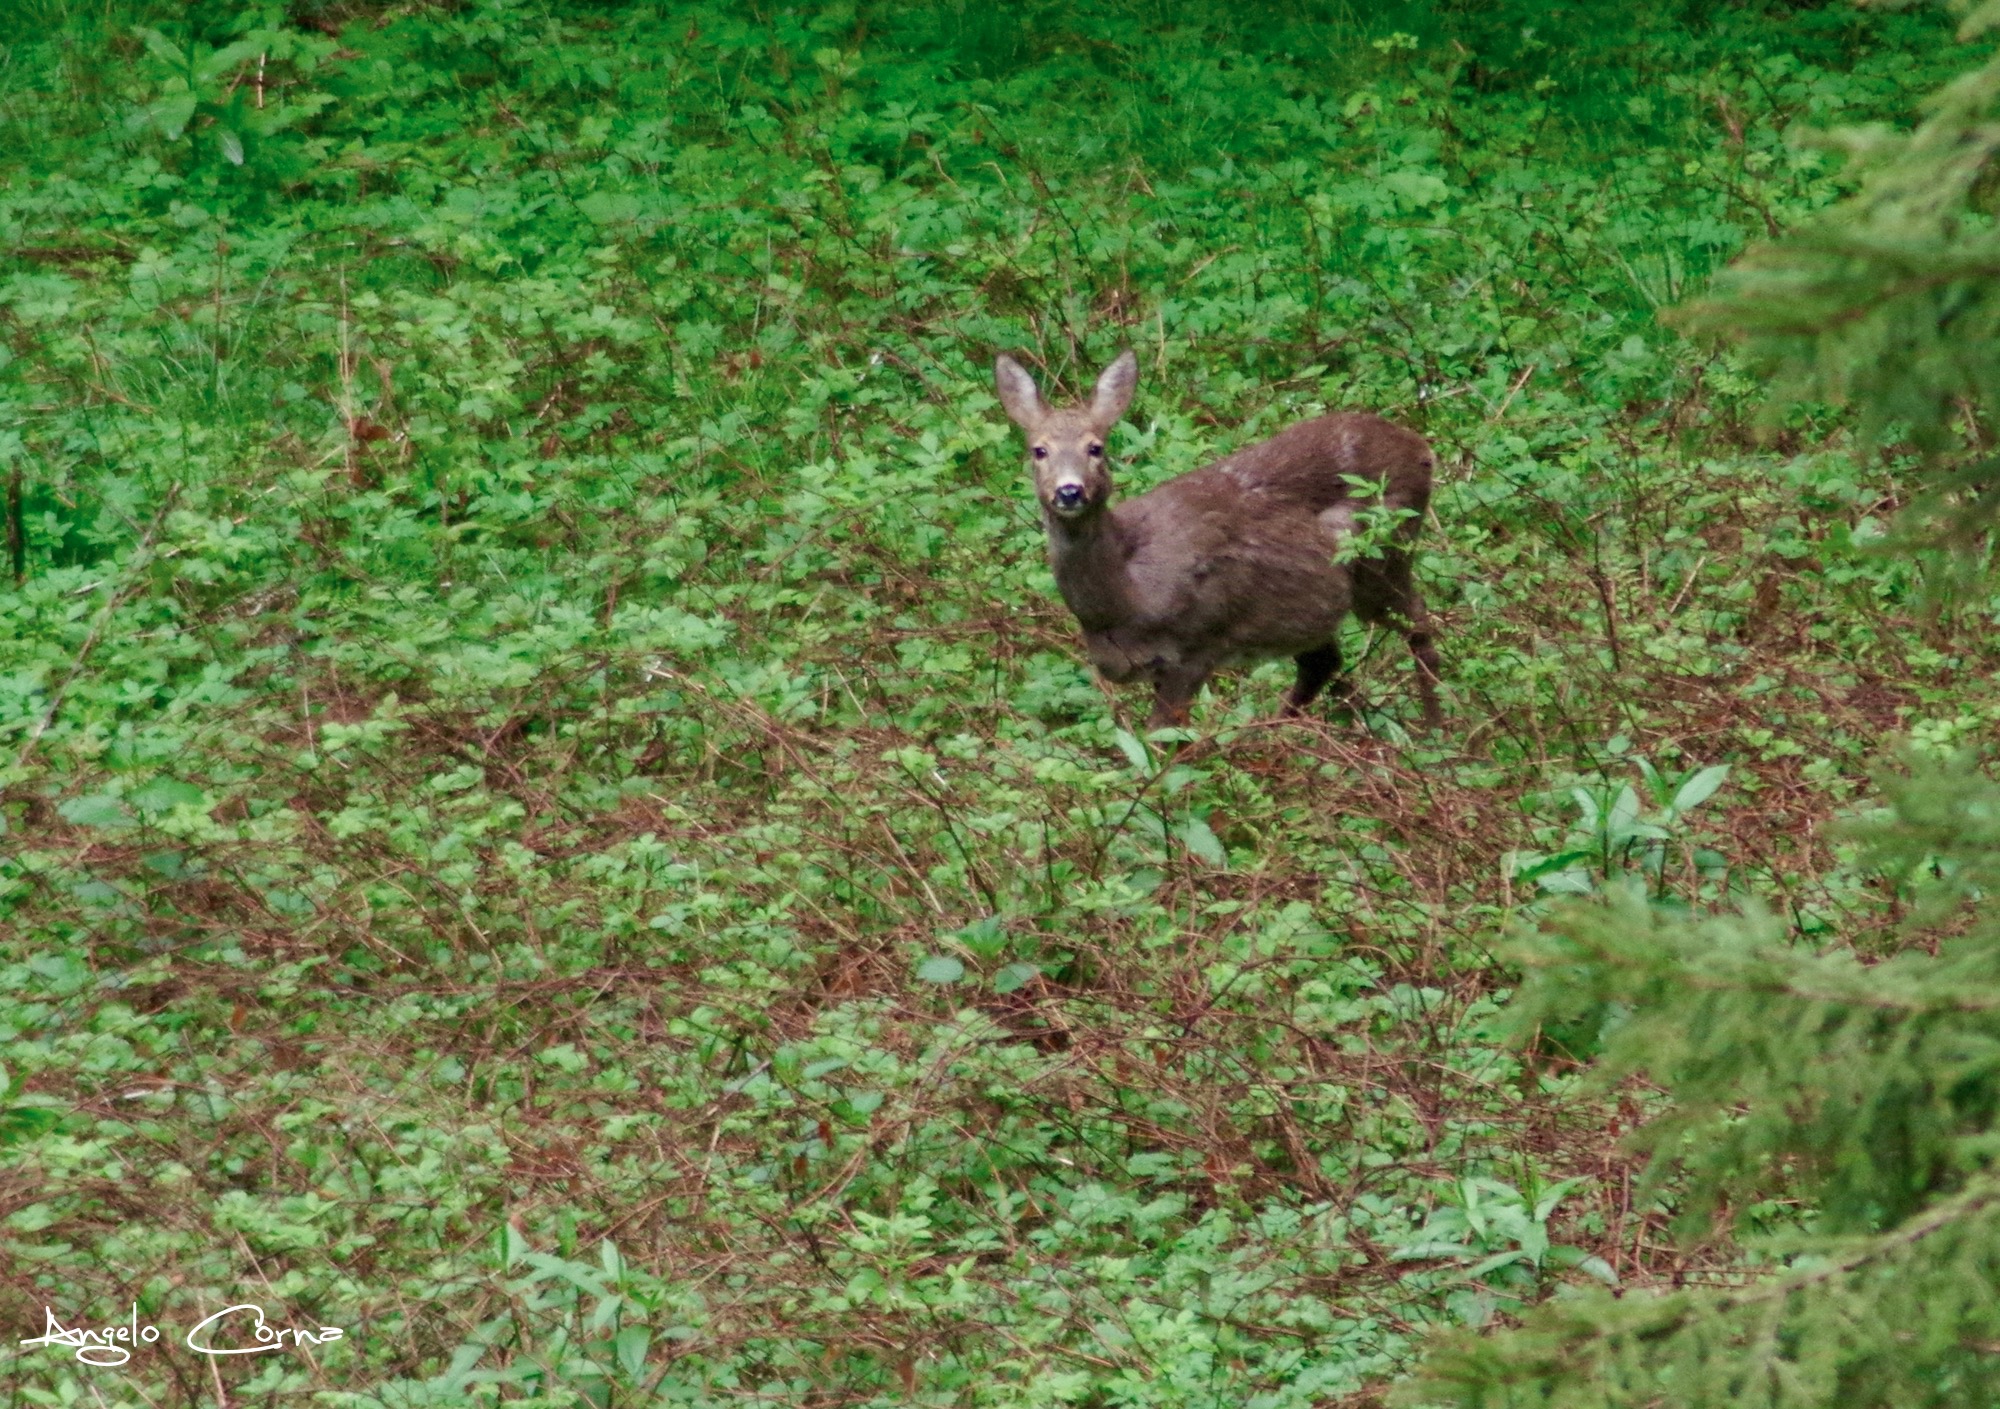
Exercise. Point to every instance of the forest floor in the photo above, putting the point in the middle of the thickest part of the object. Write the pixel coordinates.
(551, 818)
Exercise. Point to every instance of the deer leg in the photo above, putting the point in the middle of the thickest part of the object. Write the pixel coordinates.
(1173, 696)
(1428, 674)
(1429, 670)
(1316, 667)
(1385, 594)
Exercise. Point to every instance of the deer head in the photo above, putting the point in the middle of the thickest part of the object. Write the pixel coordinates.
(1066, 445)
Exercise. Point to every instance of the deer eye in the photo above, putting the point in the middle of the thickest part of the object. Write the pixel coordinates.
(1041, 452)
(1096, 450)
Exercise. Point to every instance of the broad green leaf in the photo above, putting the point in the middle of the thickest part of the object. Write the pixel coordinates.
(97, 810)
(1530, 866)
(1624, 810)
(1553, 1195)
(1203, 842)
(631, 1344)
(1416, 188)
(1698, 789)
(1566, 1256)
(1497, 1261)
(1586, 802)
(1015, 976)
(611, 207)
(20, 1124)
(165, 794)
(1567, 883)
(169, 115)
(857, 1106)
(231, 56)
(161, 47)
(985, 937)
(941, 968)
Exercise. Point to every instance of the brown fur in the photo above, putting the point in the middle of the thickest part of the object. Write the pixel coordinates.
(1229, 564)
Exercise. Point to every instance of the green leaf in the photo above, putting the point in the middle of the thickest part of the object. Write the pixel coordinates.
(1203, 842)
(161, 47)
(1656, 786)
(1529, 866)
(1015, 976)
(1416, 188)
(169, 116)
(231, 145)
(1426, 1249)
(230, 56)
(1567, 883)
(1497, 1261)
(97, 810)
(611, 207)
(514, 1246)
(941, 968)
(1553, 1195)
(1698, 789)
(1624, 810)
(985, 937)
(630, 1345)
(19, 1124)
(165, 794)
(1134, 751)
(1563, 1255)
(856, 1106)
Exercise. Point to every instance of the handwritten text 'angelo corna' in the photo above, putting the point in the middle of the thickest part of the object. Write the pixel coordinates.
(234, 1330)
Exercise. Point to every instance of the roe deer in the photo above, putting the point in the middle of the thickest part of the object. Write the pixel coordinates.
(1232, 563)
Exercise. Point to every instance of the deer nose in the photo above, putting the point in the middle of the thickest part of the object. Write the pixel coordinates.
(1069, 496)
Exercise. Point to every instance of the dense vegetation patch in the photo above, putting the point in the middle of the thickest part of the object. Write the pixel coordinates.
(550, 816)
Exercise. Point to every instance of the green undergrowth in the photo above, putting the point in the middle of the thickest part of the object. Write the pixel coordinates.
(552, 819)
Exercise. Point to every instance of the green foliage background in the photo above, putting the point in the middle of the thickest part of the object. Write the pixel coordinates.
(552, 819)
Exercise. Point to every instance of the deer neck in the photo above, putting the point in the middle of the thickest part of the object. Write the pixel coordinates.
(1089, 555)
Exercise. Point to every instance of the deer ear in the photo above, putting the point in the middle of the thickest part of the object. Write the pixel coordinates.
(1018, 396)
(1114, 390)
